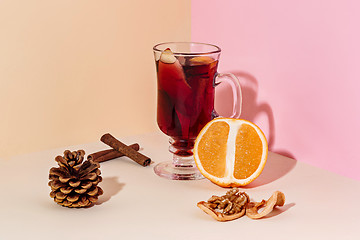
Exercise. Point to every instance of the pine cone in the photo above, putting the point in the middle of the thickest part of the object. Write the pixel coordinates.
(74, 182)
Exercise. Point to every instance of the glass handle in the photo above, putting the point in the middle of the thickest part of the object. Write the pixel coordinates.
(233, 81)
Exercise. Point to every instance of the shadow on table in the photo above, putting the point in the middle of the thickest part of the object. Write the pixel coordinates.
(276, 167)
(111, 187)
(279, 210)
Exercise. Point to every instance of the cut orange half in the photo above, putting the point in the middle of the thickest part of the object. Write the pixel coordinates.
(230, 152)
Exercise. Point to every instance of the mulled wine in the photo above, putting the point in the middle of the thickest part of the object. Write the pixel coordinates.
(187, 77)
(185, 98)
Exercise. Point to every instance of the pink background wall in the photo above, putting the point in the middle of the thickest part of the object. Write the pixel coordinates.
(298, 62)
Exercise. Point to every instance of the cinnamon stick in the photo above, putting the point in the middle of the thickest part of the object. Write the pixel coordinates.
(109, 154)
(141, 159)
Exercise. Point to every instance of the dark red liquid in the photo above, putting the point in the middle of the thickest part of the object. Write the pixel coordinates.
(185, 100)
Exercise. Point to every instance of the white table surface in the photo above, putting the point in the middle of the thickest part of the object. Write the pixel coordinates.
(137, 204)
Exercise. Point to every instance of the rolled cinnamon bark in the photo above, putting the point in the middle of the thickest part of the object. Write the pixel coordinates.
(141, 159)
(109, 154)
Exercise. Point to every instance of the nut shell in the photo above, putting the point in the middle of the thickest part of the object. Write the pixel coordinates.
(227, 207)
(276, 199)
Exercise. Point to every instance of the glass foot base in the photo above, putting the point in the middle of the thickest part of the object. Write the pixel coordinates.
(171, 171)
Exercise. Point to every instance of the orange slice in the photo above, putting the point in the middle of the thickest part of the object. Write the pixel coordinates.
(201, 60)
(230, 152)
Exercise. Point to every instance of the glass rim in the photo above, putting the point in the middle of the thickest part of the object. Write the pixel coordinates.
(217, 49)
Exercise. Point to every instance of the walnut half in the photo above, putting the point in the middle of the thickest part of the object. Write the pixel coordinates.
(252, 209)
(228, 207)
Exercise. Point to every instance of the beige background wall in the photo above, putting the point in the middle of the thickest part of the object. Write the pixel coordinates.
(73, 70)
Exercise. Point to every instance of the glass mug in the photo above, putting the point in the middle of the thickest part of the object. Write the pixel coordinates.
(186, 80)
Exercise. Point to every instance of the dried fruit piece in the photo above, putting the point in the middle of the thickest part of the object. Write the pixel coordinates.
(252, 208)
(171, 76)
(168, 57)
(227, 207)
(172, 81)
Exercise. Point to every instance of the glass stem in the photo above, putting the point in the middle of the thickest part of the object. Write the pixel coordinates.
(180, 161)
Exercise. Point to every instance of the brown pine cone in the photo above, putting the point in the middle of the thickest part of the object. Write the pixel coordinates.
(74, 182)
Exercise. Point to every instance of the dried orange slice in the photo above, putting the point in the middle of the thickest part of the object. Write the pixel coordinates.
(230, 152)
